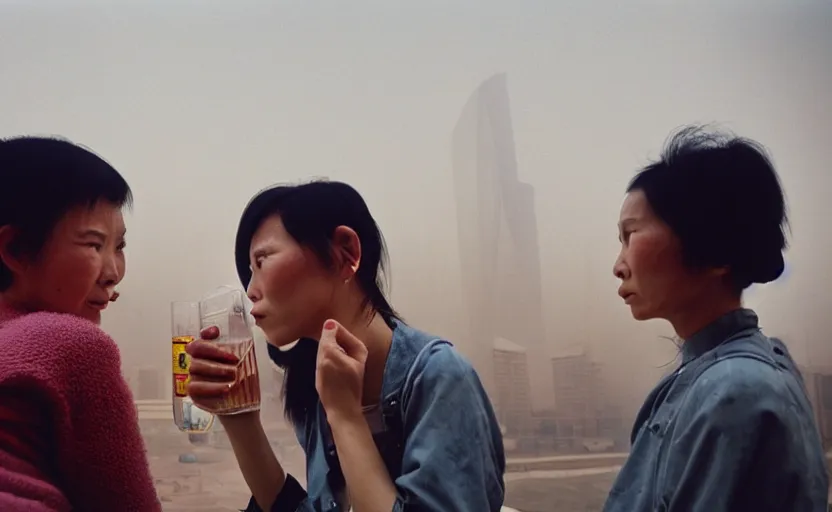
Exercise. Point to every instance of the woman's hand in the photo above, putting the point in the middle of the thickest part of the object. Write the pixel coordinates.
(213, 376)
(339, 378)
(213, 370)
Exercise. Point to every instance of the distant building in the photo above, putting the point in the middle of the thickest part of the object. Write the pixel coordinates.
(498, 244)
(512, 394)
(579, 400)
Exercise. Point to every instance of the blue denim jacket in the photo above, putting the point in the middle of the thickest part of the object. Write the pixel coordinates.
(442, 444)
(730, 430)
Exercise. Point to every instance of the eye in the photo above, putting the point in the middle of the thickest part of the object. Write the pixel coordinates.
(95, 245)
(120, 247)
(258, 261)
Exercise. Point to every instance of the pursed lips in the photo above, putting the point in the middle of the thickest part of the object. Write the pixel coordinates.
(98, 304)
(102, 303)
(625, 295)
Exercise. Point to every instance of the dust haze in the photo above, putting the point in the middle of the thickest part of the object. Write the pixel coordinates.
(491, 140)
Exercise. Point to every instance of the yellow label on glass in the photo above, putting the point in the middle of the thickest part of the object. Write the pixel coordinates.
(181, 364)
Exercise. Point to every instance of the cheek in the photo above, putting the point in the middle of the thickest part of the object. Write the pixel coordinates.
(291, 277)
(653, 262)
(68, 278)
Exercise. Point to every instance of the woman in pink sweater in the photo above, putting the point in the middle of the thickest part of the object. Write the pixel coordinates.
(69, 435)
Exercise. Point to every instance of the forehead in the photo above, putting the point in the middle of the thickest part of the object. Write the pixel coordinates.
(270, 230)
(103, 216)
(635, 206)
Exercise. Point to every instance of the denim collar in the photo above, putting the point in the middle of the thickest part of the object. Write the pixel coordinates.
(719, 331)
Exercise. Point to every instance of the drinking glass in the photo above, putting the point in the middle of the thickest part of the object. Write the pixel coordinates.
(226, 309)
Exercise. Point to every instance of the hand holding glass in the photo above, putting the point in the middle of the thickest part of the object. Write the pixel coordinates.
(224, 378)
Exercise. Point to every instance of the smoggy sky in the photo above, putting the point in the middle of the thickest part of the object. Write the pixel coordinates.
(201, 104)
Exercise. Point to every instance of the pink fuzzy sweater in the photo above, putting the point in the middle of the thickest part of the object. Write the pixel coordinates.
(69, 433)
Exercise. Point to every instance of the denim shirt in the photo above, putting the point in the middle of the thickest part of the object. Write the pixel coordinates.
(731, 429)
(441, 442)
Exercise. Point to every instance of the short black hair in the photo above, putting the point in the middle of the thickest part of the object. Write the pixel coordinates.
(43, 178)
(721, 195)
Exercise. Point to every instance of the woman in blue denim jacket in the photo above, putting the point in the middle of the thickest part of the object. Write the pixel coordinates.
(390, 418)
(731, 429)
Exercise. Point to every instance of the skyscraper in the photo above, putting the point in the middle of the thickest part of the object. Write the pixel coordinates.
(498, 237)
(511, 387)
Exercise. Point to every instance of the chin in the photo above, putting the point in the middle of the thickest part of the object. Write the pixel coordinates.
(641, 314)
(280, 339)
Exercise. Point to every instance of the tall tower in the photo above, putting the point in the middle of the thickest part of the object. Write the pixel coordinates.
(498, 238)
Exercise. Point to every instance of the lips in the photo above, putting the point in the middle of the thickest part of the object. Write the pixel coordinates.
(625, 295)
(99, 305)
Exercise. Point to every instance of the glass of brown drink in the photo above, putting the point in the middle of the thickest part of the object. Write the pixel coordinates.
(226, 309)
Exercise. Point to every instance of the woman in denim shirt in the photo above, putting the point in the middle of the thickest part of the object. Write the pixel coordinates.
(389, 417)
(731, 429)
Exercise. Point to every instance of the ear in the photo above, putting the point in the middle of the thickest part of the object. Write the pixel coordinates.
(346, 248)
(8, 255)
(719, 272)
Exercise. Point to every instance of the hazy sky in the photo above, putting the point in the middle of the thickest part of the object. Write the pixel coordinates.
(200, 104)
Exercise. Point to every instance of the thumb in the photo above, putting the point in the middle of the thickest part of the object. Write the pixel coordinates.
(354, 347)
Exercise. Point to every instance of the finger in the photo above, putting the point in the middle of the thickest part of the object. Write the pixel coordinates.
(328, 349)
(325, 339)
(327, 346)
(202, 390)
(354, 347)
(210, 333)
(201, 349)
(328, 338)
(206, 369)
(334, 356)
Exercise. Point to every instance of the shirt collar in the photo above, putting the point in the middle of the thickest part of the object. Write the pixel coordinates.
(718, 331)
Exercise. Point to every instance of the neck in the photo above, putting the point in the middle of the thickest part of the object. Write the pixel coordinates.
(691, 320)
(9, 300)
(377, 336)
(5, 303)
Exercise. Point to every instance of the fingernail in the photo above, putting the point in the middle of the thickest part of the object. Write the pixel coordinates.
(329, 325)
(210, 332)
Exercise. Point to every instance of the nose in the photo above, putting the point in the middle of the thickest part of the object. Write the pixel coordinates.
(620, 268)
(111, 273)
(253, 292)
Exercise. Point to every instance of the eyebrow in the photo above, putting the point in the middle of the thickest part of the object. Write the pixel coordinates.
(260, 251)
(94, 233)
(627, 222)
